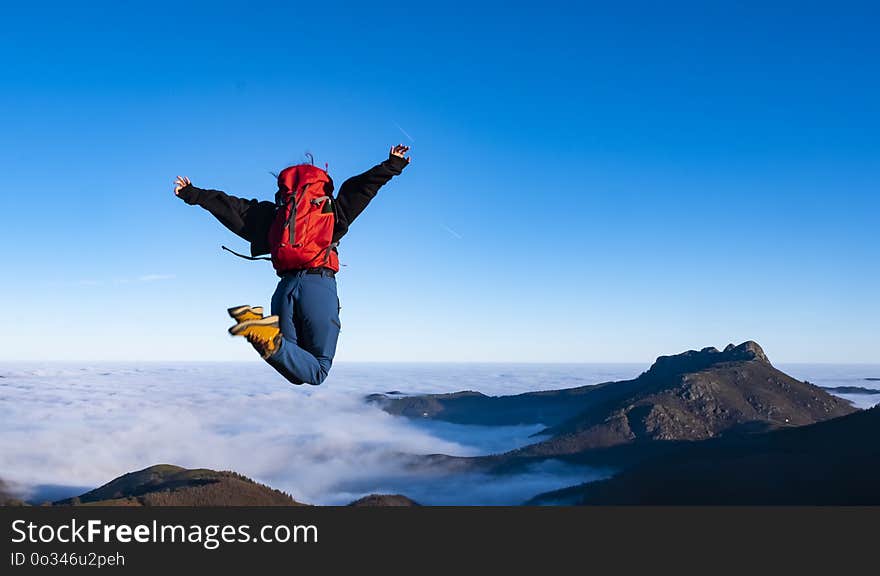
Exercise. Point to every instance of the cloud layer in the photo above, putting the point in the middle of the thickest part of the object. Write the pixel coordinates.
(83, 425)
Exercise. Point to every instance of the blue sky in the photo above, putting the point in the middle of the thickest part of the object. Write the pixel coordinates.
(589, 183)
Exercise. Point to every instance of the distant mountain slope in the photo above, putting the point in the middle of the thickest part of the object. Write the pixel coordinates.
(693, 396)
(834, 462)
(166, 485)
(384, 500)
(851, 390)
(546, 407)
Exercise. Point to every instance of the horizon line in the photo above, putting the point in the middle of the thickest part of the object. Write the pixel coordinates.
(458, 362)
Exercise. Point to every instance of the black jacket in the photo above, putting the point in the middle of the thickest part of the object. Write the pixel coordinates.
(251, 219)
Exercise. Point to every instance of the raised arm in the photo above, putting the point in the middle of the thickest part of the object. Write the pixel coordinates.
(249, 219)
(356, 192)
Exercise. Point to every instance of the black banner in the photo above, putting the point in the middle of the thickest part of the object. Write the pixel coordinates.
(407, 540)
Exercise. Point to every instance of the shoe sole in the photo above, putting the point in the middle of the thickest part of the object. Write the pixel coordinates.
(236, 311)
(267, 321)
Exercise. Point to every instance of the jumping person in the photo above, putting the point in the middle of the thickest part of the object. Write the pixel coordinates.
(301, 231)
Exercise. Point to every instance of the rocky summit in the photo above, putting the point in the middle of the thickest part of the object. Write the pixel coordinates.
(694, 395)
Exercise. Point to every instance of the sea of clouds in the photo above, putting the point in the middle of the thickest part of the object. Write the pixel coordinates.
(67, 428)
(836, 375)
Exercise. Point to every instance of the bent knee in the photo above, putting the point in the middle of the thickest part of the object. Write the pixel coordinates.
(321, 375)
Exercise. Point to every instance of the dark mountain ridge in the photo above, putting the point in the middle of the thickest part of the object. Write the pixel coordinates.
(836, 462)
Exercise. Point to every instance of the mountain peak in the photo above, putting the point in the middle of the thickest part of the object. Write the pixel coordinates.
(748, 350)
(696, 360)
(374, 500)
(167, 485)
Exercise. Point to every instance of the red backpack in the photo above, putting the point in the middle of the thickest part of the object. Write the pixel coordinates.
(301, 236)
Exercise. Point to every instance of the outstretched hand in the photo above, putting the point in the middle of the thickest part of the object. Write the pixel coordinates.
(400, 151)
(180, 183)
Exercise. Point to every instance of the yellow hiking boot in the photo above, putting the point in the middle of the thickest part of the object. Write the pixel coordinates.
(263, 334)
(245, 313)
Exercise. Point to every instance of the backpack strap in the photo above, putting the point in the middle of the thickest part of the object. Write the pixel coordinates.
(252, 258)
(329, 249)
(291, 221)
(290, 225)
